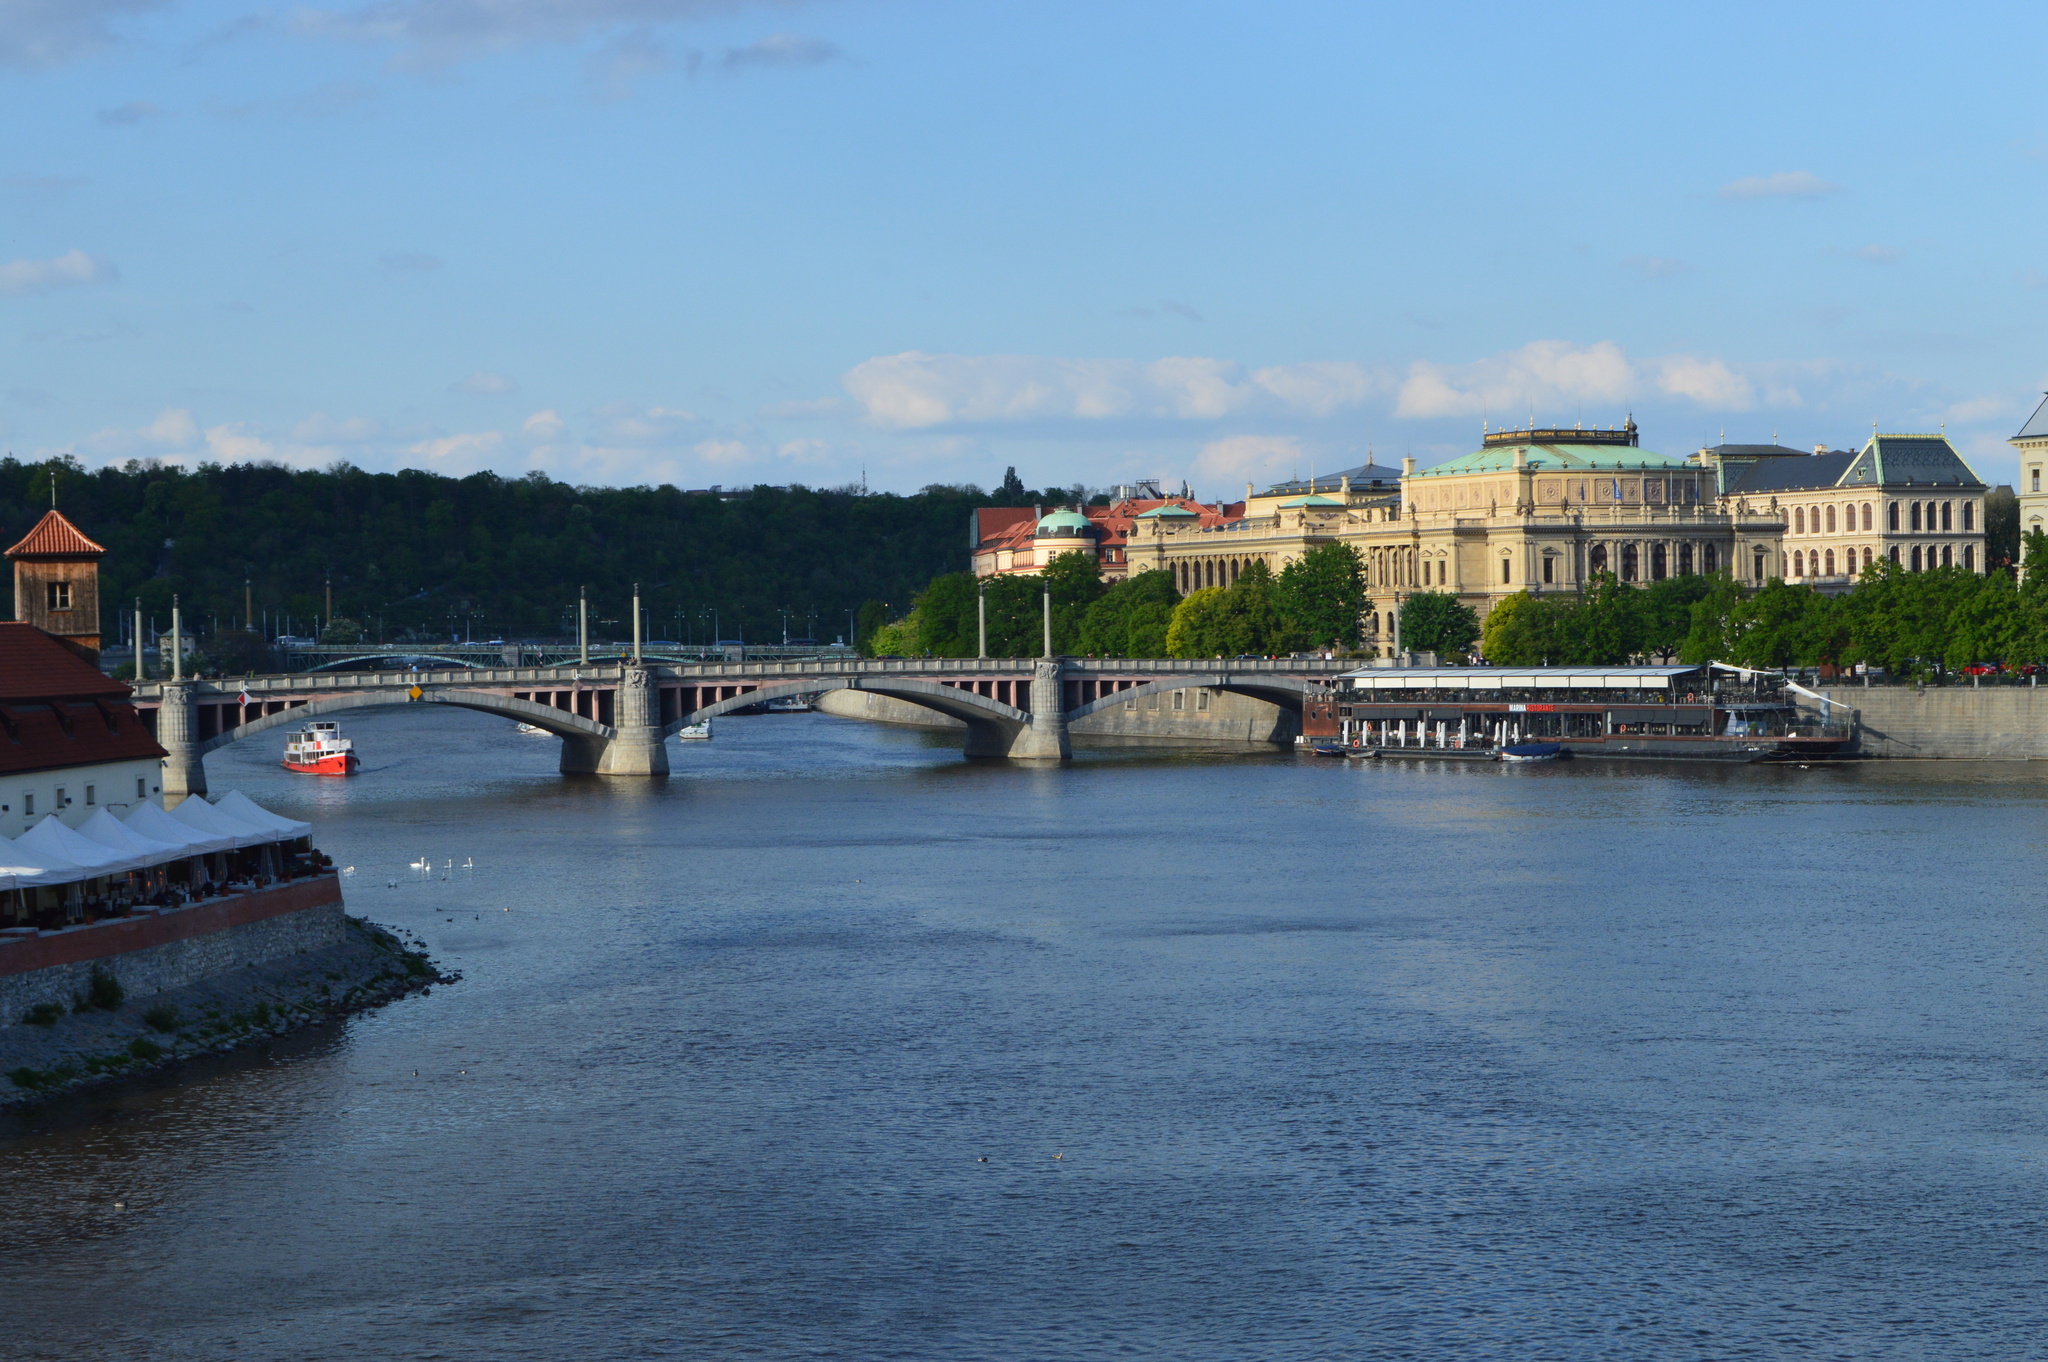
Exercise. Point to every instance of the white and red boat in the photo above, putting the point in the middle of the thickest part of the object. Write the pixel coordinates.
(318, 749)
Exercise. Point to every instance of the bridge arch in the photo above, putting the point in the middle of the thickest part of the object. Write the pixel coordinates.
(1284, 691)
(384, 662)
(558, 722)
(991, 724)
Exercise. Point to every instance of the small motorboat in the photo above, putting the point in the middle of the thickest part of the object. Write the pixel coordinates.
(698, 732)
(1330, 749)
(790, 704)
(1534, 751)
(534, 731)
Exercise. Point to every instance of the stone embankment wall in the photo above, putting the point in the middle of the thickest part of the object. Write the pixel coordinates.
(1994, 723)
(169, 949)
(1229, 718)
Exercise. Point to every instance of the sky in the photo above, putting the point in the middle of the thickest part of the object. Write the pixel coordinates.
(907, 241)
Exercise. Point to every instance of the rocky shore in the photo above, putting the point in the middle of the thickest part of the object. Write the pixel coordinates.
(104, 1035)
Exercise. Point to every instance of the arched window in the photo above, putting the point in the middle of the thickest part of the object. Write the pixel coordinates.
(1658, 563)
(1916, 558)
(1968, 517)
(1709, 559)
(1759, 565)
(1947, 518)
(1891, 515)
(1628, 562)
(1685, 559)
(1916, 516)
(1866, 517)
(1799, 562)
(1893, 553)
(1831, 520)
(1831, 563)
(1596, 559)
(1969, 557)
(1948, 553)
(1799, 520)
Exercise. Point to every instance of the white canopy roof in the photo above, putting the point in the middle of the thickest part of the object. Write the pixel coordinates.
(235, 804)
(110, 831)
(149, 819)
(51, 838)
(1515, 678)
(197, 813)
(21, 868)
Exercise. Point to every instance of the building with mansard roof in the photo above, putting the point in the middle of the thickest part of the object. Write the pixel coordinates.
(1009, 540)
(1546, 509)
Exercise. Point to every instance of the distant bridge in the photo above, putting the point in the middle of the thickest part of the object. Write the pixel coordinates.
(377, 656)
(616, 719)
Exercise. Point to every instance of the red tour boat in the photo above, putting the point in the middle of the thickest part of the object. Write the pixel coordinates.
(319, 750)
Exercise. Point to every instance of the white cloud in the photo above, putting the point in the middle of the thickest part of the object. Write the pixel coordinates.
(438, 32)
(1240, 459)
(174, 426)
(36, 34)
(1786, 184)
(780, 49)
(1542, 373)
(544, 425)
(460, 454)
(69, 270)
(1708, 382)
(485, 382)
(915, 390)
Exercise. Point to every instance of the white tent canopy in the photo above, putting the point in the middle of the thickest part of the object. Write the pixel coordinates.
(197, 813)
(110, 831)
(51, 838)
(235, 804)
(149, 819)
(21, 868)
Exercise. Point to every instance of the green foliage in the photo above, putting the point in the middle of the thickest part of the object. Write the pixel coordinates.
(236, 652)
(344, 630)
(1438, 622)
(873, 615)
(1131, 618)
(162, 1017)
(945, 616)
(105, 991)
(1196, 624)
(2001, 527)
(1075, 581)
(142, 1047)
(1231, 621)
(1322, 594)
(43, 1014)
(414, 554)
(895, 639)
(1016, 626)
(1666, 613)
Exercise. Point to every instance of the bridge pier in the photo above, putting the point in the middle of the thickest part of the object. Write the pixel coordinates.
(640, 749)
(1045, 737)
(177, 724)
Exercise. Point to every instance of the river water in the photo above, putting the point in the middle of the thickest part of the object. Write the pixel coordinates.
(838, 1046)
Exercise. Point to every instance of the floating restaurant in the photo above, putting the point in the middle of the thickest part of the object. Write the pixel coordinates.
(1709, 712)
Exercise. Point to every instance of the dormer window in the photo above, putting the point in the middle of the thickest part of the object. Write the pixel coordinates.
(59, 595)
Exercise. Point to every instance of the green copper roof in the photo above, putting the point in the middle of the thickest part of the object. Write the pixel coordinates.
(1555, 458)
(1310, 501)
(1063, 525)
(1171, 508)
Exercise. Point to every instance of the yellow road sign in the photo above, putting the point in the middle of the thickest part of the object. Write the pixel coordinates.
(415, 692)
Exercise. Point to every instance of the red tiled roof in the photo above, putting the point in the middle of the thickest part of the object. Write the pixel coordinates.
(54, 537)
(56, 710)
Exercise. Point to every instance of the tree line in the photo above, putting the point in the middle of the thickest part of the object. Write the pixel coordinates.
(418, 556)
(1314, 602)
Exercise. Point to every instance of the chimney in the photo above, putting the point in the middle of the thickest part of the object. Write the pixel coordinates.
(1820, 449)
(1408, 467)
(1521, 457)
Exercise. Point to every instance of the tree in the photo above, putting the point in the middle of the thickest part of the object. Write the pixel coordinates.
(1322, 594)
(1519, 630)
(1604, 626)
(898, 638)
(342, 630)
(1011, 491)
(2001, 528)
(945, 612)
(1249, 619)
(873, 615)
(1015, 623)
(1131, 618)
(1711, 631)
(1196, 629)
(1075, 581)
(1667, 612)
(1438, 622)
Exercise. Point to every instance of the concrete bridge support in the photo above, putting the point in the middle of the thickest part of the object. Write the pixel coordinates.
(177, 728)
(1045, 738)
(640, 748)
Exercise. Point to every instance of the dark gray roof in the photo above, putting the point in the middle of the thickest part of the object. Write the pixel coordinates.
(1362, 479)
(1755, 451)
(1803, 474)
(2037, 425)
(1925, 460)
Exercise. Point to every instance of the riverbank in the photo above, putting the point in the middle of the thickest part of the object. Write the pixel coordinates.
(106, 1033)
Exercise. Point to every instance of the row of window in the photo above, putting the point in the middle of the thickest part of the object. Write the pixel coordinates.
(63, 800)
(1180, 701)
(1821, 562)
(1920, 516)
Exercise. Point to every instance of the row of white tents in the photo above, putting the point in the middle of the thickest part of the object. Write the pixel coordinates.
(51, 853)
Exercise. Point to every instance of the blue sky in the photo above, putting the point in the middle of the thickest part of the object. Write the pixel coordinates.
(709, 241)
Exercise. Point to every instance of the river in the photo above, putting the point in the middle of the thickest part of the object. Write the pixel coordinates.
(837, 1046)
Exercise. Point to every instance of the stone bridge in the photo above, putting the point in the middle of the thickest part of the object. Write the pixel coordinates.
(616, 719)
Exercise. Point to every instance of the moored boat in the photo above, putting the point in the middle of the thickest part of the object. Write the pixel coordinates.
(318, 749)
(1533, 751)
(699, 731)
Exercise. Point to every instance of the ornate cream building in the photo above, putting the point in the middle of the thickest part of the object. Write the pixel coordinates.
(1543, 510)
(2032, 443)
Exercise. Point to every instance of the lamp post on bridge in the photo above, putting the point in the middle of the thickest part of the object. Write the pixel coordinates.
(981, 617)
(1048, 622)
(636, 624)
(583, 625)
